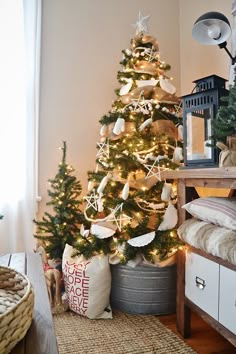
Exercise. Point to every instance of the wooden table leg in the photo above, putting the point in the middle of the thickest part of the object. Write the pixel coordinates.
(183, 313)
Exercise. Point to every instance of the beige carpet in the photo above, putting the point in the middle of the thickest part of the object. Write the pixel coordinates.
(123, 334)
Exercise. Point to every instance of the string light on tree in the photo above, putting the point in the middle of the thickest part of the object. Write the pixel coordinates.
(63, 225)
(139, 136)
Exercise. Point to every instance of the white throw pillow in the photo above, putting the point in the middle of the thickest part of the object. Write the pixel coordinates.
(216, 240)
(216, 210)
(87, 284)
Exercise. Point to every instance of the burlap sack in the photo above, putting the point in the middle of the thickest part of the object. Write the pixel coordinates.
(227, 155)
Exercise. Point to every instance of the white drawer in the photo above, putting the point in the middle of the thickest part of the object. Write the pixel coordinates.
(202, 283)
(227, 301)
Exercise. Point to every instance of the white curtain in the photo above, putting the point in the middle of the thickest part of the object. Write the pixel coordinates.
(20, 34)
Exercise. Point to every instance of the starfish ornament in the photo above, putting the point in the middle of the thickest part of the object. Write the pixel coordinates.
(141, 23)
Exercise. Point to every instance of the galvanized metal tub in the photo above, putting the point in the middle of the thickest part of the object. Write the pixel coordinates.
(143, 290)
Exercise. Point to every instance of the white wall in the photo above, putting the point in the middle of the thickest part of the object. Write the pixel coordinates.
(82, 42)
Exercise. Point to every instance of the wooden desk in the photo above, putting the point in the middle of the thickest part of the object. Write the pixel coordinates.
(187, 180)
(40, 338)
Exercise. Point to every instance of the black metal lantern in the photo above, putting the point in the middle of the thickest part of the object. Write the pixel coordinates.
(199, 110)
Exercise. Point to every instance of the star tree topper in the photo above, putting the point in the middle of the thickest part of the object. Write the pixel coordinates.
(141, 23)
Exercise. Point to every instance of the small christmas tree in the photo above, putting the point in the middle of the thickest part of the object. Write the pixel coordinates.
(63, 226)
(131, 208)
(225, 124)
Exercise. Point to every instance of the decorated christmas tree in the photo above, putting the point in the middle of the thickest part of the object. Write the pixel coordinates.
(132, 210)
(63, 226)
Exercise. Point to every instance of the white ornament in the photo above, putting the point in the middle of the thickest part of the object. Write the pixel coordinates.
(108, 225)
(141, 104)
(128, 52)
(154, 170)
(100, 204)
(167, 86)
(142, 83)
(167, 192)
(170, 218)
(103, 130)
(119, 126)
(84, 232)
(104, 164)
(121, 219)
(145, 124)
(125, 191)
(126, 88)
(103, 183)
(82, 229)
(101, 232)
(178, 154)
(143, 240)
(92, 201)
(180, 133)
(90, 185)
(165, 109)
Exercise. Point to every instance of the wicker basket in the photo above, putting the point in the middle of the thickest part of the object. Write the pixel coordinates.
(16, 308)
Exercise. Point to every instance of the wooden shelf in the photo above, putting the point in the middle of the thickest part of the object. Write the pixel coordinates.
(187, 180)
(200, 173)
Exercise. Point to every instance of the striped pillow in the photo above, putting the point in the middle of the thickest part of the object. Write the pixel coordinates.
(216, 210)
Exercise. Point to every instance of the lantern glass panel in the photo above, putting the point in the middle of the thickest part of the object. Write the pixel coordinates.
(199, 130)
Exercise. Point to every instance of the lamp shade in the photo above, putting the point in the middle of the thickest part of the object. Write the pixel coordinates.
(212, 28)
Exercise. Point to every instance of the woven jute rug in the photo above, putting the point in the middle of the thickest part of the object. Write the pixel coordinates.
(123, 334)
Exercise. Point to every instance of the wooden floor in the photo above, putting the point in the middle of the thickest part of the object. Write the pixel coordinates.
(204, 339)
